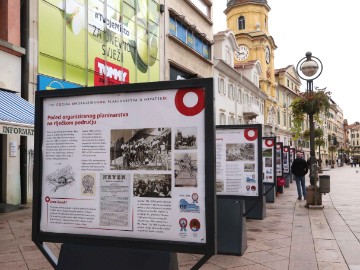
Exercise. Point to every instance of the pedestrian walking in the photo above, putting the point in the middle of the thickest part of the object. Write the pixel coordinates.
(300, 168)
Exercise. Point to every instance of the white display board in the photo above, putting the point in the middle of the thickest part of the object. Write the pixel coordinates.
(268, 154)
(286, 159)
(237, 161)
(128, 165)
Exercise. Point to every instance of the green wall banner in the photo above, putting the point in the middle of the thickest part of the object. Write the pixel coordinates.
(99, 42)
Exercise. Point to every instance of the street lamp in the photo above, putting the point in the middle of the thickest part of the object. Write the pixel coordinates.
(309, 68)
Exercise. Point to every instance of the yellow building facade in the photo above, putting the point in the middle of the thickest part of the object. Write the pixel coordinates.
(248, 19)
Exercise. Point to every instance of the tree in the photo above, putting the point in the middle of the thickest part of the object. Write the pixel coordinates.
(319, 138)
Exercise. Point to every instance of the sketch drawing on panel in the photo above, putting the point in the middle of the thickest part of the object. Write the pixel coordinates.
(88, 182)
(61, 178)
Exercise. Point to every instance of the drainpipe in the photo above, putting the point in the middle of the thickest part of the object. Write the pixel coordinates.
(24, 32)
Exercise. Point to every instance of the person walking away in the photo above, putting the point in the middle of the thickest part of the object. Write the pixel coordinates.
(299, 169)
(351, 161)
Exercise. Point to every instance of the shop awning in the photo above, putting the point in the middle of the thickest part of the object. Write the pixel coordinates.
(16, 114)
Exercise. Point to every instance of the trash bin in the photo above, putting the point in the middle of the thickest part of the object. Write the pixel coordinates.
(324, 183)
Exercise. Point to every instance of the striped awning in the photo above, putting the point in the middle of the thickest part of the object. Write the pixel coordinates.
(15, 110)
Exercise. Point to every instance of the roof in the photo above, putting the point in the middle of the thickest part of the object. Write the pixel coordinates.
(15, 110)
(244, 2)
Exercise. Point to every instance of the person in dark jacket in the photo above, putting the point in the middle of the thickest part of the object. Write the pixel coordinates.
(300, 168)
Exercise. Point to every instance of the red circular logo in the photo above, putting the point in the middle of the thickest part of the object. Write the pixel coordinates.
(251, 134)
(269, 143)
(47, 199)
(190, 111)
(194, 225)
(285, 149)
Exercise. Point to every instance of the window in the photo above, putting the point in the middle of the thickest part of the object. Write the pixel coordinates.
(231, 120)
(289, 120)
(241, 23)
(277, 95)
(183, 32)
(221, 86)
(288, 83)
(239, 95)
(240, 121)
(231, 91)
(202, 6)
(228, 56)
(222, 118)
(278, 118)
(284, 115)
(246, 99)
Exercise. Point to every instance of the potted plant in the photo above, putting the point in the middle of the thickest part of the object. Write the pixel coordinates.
(308, 103)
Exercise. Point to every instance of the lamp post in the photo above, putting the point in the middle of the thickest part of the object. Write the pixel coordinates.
(309, 68)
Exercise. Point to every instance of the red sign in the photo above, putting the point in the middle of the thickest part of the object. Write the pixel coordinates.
(107, 73)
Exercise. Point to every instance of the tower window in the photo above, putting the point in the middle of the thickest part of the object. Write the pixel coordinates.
(241, 23)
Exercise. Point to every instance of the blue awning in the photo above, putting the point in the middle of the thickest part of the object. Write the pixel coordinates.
(15, 110)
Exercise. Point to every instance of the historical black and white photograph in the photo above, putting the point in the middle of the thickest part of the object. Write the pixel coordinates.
(267, 152)
(152, 185)
(240, 151)
(141, 149)
(220, 186)
(185, 138)
(249, 167)
(185, 169)
(268, 162)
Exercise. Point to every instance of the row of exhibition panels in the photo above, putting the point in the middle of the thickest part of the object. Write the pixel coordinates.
(90, 206)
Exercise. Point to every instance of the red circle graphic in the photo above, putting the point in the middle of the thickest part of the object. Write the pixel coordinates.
(251, 134)
(285, 149)
(190, 111)
(269, 143)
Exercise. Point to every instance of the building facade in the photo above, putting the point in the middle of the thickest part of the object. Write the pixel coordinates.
(16, 113)
(186, 39)
(287, 89)
(249, 22)
(238, 98)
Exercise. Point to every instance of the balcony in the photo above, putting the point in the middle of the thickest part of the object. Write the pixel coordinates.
(250, 111)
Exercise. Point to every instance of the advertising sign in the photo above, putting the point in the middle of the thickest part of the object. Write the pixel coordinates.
(238, 160)
(129, 162)
(286, 159)
(268, 156)
(117, 41)
(48, 83)
(279, 159)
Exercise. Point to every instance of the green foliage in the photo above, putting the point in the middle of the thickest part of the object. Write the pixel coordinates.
(318, 134)
(310, 103)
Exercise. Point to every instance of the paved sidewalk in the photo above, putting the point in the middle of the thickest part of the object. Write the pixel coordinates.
(290, 237)
(295, 237)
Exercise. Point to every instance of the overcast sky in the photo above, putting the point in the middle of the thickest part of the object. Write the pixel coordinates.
(327, 28)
